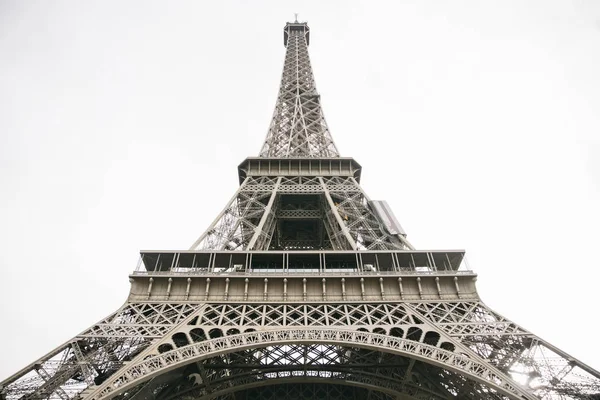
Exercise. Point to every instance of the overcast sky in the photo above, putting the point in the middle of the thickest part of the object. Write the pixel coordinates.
(122, 123)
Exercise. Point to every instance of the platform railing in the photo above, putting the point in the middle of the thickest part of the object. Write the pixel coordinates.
(309, 263)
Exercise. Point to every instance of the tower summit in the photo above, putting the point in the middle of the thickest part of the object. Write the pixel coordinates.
(298, 128)
(299, 194)
(303, 288)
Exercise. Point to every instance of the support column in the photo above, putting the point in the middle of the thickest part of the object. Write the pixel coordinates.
(337, 216)
(259, 229)
(211, 227)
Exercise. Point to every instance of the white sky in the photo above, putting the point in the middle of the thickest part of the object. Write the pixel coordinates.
(122, 124)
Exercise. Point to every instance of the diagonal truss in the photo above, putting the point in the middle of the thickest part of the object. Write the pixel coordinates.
(260, 214)
(514, 356)
(298, 128)
(501, 357)
(95, 354)
(250, 219)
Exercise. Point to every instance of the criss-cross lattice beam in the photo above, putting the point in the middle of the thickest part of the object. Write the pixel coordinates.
(249, 220)
(513, 350)
(239, 224)
(96, 353)
(152, 365)
(298, 128)
(329, 364)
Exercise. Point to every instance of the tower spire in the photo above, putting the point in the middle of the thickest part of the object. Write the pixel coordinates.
(298, 128)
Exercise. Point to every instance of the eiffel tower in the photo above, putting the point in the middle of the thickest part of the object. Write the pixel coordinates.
(303, 288)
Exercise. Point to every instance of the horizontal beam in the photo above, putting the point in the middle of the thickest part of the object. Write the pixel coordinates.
(260, 166)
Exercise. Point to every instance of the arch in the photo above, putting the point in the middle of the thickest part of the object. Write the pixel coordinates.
(180, 339)
(232, 331)
(311, 373)
(414, 333)
(431, 338)
(380, 331)
(215, 333)
(396, 332)
(143, 370)
(197, 335)
(447, 346)
(163, 348)
(368, 383)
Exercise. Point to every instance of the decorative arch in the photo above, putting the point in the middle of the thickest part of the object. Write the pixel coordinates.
(369, 385)
(157, 364)
(322, 364)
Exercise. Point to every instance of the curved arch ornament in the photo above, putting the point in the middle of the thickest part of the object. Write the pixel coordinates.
(276, 374)
(157, 364)
(248, 383)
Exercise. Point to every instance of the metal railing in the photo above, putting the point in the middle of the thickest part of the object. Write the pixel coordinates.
(250, 273)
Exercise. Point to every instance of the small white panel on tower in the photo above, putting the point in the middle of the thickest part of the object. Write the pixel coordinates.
(384, 214)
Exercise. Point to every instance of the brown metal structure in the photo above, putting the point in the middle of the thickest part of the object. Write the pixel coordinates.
(303, 288)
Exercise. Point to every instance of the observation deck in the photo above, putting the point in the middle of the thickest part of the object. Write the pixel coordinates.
(302, 262)
(309, 167)
(302, 276)
(296, 26)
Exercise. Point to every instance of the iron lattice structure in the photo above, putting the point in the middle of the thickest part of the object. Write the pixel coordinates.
(303, 288)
